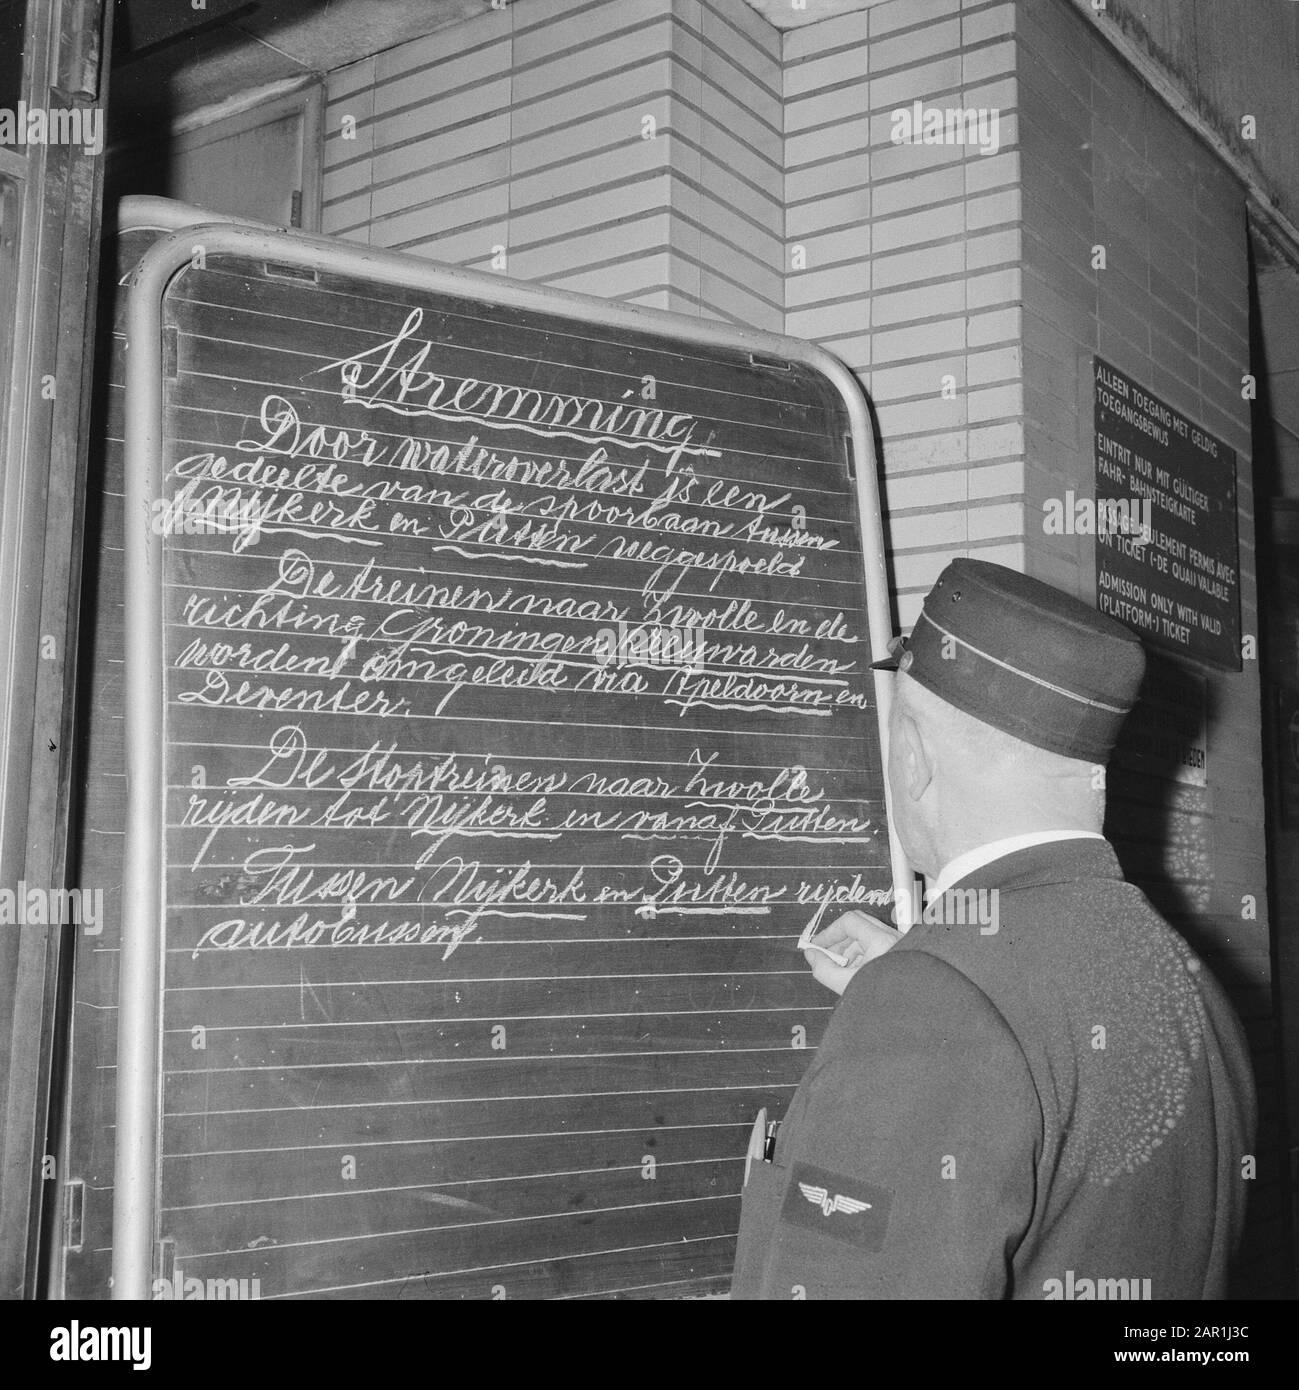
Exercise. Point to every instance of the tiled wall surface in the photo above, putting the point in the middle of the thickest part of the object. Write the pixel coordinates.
(957, 285)
(631, 150)
(904, 260)
(770, 194)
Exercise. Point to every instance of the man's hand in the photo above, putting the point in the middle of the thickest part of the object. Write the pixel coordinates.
(857, 936)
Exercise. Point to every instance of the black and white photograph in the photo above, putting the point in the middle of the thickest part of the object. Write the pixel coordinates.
(649, 652)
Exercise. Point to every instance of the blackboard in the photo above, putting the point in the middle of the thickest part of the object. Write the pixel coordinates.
(515, 716)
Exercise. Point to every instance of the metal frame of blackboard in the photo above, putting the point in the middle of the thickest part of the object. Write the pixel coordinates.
(136, 1163)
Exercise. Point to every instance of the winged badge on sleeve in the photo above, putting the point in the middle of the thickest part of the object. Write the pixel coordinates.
(820, 1196)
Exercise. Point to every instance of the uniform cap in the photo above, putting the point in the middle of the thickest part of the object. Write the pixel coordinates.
(1024, 657)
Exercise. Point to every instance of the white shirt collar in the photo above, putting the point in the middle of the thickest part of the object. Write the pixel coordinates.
(964, 864)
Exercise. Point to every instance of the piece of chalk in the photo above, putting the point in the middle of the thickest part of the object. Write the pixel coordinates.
(826, 951)
(809, 931)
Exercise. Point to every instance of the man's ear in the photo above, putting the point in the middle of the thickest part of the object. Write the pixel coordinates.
(917, 764)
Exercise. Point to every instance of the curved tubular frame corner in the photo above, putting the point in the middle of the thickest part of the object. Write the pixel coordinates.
(139, 1053)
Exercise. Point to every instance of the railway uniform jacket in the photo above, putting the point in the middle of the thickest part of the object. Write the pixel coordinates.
(1020, 1114)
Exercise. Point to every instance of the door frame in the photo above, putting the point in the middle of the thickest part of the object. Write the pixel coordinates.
(44, 436)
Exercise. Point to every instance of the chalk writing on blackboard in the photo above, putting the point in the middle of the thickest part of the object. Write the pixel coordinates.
(518, 716)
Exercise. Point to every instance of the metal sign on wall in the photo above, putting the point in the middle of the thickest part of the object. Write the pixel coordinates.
(1167, 555)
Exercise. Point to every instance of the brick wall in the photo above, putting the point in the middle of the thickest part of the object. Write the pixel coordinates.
(1105, 163)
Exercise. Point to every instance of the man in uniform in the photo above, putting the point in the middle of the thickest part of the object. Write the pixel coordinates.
(1045, 1094)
